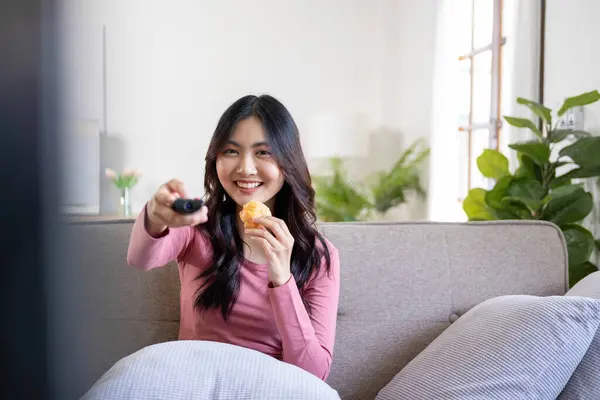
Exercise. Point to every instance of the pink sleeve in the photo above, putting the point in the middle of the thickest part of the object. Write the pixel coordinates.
(147, 252)
(308, 340)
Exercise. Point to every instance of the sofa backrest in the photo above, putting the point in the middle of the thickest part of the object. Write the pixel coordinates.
(401, 285)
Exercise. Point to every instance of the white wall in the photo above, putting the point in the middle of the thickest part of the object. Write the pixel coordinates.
(573, 53)
(173, 67)
(572, 59)
(406, 75)
(406, 80)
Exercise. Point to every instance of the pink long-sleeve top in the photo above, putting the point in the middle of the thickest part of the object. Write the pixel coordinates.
(272, 320)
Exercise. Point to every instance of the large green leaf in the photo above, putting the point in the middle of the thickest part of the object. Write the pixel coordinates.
(579, 173)
(572, 206)
(512, 211)
(580, 243)
(558, 164)
(560, 181)
(585, 152)
(598, 244)
(565, 190)
(579, 101)
(580, 134)
(528, 192)
(524, 123)
(493, 164)
(580, 246)
(537, 151)
(541, 111)
(514, 208)
(475, 206)
(504, 209)
(559, 135)
(528, 168)
(580, 271)
(498, 192)
(551, 170)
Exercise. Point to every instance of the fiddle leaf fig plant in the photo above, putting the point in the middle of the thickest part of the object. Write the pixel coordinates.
(537, 190)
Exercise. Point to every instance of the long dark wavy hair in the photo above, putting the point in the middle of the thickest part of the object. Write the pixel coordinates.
(294, 204)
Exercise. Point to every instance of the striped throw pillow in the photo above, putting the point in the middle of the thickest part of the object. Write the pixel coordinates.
(585, 381)
(508, 347)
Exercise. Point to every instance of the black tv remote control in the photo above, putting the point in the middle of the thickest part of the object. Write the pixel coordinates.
(187, 206)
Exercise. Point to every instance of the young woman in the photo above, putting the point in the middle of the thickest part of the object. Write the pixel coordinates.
(274, 290)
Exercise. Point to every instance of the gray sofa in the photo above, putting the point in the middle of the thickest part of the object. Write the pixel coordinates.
(402, 284)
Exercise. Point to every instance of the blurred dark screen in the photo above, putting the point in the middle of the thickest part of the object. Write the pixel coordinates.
(28, 101)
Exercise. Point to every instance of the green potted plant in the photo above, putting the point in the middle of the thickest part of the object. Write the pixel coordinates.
(389, 188)
(338, 199)
(536, 190)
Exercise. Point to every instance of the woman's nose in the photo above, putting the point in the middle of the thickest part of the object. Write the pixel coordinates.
(247, 166)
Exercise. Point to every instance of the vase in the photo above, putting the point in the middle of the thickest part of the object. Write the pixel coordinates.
(125, 209)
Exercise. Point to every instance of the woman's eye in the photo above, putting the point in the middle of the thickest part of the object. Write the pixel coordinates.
(263, 153)
(229, 151)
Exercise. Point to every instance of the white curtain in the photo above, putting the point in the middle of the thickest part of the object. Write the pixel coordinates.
(444, 159)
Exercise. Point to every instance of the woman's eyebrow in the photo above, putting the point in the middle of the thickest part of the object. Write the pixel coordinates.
(257, 144)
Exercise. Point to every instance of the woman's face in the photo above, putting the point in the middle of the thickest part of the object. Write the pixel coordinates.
(245, 167)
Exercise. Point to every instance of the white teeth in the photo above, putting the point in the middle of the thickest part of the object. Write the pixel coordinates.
(248, 185)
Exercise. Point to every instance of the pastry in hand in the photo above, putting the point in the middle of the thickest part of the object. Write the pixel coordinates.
(251, 210)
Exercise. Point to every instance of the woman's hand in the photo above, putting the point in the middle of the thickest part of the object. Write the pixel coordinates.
(161, 216)
(277, 243)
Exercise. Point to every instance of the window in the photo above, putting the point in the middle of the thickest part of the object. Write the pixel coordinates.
(480, 82)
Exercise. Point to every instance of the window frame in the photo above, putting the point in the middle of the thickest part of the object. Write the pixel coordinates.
(494, 125)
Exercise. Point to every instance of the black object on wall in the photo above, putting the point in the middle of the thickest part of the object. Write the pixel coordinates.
(542, 56)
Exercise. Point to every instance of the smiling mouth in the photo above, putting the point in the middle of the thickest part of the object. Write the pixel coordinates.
(248, 185)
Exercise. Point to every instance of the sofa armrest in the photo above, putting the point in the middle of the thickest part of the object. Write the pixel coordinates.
(587, 287)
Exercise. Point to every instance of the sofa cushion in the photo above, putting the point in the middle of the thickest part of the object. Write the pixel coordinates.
(508, 347)
(194, 370)
(584, 383)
